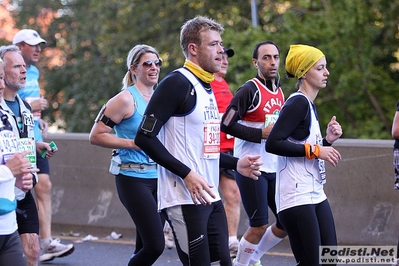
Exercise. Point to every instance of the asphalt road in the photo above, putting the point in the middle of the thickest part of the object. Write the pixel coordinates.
(104, 252)
(116, 252)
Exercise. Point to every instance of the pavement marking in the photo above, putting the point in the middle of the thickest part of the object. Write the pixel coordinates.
(102, 240)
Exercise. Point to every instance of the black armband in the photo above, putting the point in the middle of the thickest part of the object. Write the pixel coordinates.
(148, 124)
(229, 117)
(103, 118)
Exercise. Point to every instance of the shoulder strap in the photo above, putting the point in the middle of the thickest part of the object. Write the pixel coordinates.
(257, 83)
(309, 102)
(193, 80)
(27, 105)
(190, 76)
(133, 91)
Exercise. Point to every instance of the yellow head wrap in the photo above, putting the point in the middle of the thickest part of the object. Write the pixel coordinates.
(301, 58)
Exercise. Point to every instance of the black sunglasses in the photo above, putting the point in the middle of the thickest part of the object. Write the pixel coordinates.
(148, 64)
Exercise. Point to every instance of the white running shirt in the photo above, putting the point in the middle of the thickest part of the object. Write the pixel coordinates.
(194, 139)
(298, 180)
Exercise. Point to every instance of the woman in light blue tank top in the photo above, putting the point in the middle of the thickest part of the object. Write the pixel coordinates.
(136, 176)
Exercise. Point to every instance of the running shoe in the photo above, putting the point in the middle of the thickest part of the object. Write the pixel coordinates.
(251, 264)
(169, 240)
(256, 264)
(233, 249)
(56, 250)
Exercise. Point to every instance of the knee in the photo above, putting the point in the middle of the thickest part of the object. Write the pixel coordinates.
(259, 230)
(233, 200)
(278, 232)
(44, 185)
(157, 250)
(232, 195)
(235, 196)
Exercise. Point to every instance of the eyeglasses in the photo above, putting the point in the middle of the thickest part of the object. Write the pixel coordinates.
(148, 64)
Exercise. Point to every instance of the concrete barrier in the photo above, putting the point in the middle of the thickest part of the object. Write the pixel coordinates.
(360, 190)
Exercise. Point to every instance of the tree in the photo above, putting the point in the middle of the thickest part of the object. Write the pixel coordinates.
(84, 61)
(358, 38)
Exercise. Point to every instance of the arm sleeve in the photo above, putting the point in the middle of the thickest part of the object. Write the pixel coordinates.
(168, 99)
(293, 121)
(239, 105)
(227, 161)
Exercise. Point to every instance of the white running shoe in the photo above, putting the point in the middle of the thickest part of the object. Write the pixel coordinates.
(233, 249)
(169, 239)
(256, 264)
(56, 250)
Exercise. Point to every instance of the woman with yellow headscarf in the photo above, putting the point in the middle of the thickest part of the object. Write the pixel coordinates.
(302, 205)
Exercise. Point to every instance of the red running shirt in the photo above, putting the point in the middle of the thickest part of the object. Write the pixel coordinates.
(223, 97)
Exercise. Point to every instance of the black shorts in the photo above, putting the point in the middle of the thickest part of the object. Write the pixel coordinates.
(227, 172)
(202, 233)
(27, 217)
(42, 164)
(257, 196)
(11, 251)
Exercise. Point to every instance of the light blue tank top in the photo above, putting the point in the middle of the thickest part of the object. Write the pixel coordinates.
(127, 129)
(32, 92)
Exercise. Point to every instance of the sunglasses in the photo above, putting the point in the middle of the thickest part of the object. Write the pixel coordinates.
(148, 64)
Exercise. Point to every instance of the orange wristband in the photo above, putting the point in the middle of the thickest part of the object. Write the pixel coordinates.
(316, 152)
(311, 154)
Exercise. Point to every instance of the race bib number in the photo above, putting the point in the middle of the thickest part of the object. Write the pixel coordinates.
(28, 144)
(8, 145)
(270, 119)
(211, 140)
(28, 119)
(321, 162)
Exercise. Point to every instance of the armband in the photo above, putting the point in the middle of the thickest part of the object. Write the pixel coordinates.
(103, 118)
(148, 124)
(228, 117)
(310, 154)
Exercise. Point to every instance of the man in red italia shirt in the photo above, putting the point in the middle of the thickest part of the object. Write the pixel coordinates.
(227, 182)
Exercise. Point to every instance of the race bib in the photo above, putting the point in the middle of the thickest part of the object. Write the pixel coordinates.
(8, 145)
(211, 140)
(28, 119)
(28, 144)
(321, 163)
(270, 119)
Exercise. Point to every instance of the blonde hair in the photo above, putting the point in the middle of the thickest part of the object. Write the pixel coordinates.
(133, 59)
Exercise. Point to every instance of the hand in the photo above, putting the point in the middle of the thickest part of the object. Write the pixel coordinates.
(249, 166)
(199, 189)
(24, 182)
(40, 146)
(334, 130)
(39, 104)
(19, 165)
(43, 126)
(266, 130)
(329, 154)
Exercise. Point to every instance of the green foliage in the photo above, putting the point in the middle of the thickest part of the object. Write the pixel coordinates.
(359, 39)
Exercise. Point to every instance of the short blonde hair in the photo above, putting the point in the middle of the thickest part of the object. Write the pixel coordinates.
(191, 31)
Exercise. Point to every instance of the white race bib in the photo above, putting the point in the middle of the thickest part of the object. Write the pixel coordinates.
(211, 140)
